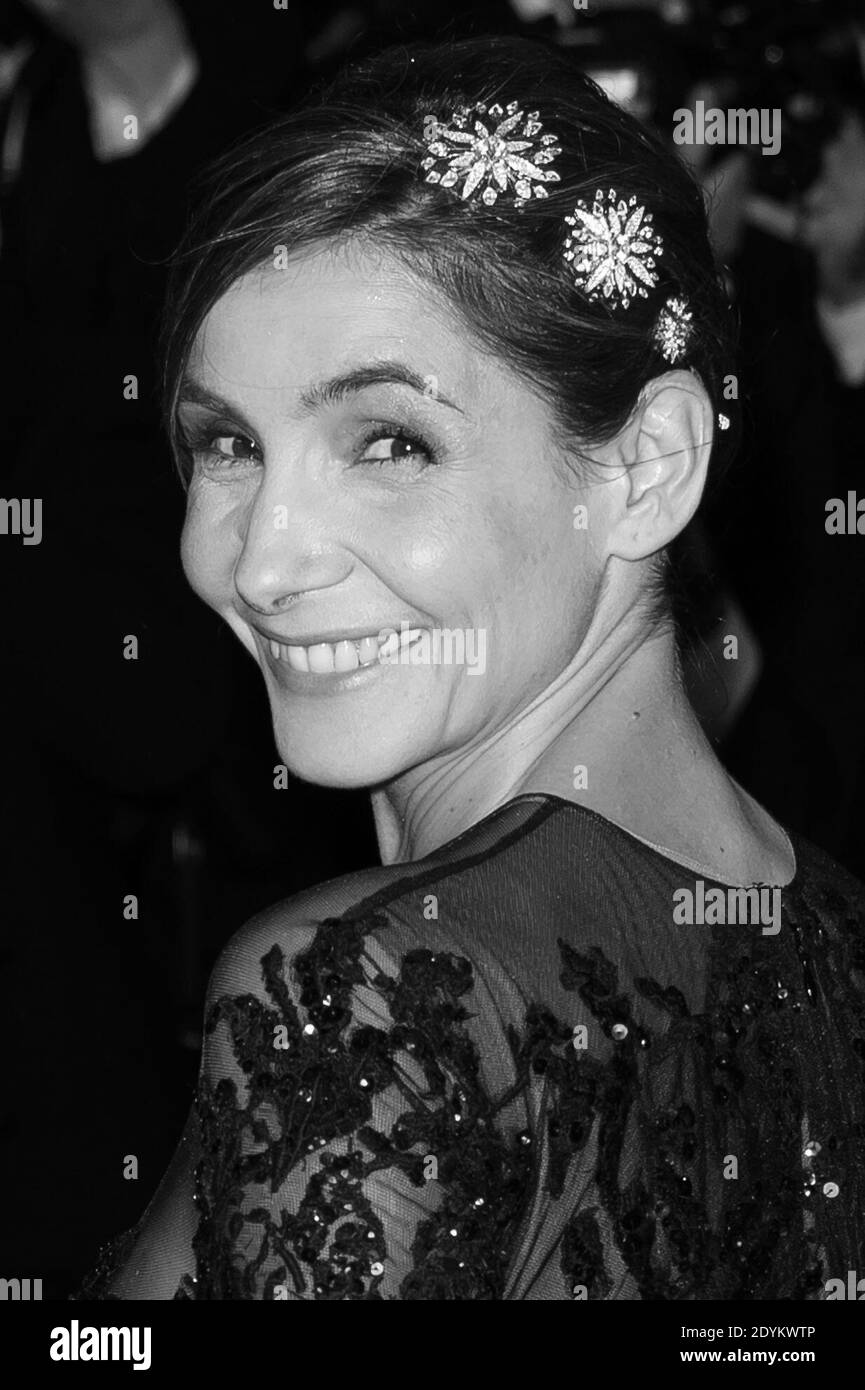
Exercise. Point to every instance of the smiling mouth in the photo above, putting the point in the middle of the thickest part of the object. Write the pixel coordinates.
(329, 658)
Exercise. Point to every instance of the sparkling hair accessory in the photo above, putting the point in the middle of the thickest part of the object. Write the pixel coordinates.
(612, 248)
(673, 329)
(503, 155)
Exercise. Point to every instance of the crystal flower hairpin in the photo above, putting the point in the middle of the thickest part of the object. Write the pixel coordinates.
(505, 152)
(612, 248)
(673, 329)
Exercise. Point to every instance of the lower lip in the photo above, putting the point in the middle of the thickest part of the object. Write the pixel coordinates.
(324, 682)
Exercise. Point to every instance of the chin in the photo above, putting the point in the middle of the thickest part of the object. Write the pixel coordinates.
(345, 759)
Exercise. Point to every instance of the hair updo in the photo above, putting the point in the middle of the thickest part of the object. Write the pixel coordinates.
(347, 164)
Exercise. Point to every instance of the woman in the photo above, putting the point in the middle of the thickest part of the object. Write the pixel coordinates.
(445, 358)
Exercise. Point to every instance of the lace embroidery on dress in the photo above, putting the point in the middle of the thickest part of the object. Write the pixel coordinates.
(356, 1149)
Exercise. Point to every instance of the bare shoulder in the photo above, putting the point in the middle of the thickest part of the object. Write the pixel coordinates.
(291, 925)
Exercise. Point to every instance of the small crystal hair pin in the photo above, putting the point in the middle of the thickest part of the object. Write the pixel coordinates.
(612, 248)
(502, 153)
(673, 329)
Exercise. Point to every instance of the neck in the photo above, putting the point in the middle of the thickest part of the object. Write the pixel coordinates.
(621, 716)
(617, 736)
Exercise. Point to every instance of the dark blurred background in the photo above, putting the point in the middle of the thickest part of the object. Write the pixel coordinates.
(154, 777)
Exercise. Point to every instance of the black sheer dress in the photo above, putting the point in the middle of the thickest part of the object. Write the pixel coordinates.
(510, 1075)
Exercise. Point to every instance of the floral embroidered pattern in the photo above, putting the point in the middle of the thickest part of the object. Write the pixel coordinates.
(710, 1154)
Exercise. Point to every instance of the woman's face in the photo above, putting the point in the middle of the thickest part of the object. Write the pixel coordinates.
(360, 468)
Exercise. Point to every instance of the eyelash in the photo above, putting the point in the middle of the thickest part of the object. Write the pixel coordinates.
(384, 430)
(200, 442)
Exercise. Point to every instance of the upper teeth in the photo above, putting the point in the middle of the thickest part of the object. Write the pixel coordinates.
(347, 655)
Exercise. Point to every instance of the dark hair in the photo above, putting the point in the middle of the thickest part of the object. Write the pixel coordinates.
(347, 164)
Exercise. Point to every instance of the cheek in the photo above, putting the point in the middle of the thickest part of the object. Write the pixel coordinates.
(529, 547)
(207, 552)
(432, 550)
(545, 585)
(430, 558)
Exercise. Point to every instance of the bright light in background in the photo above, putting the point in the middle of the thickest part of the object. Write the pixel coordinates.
(675, 11)
(531, 10)
(622, 85)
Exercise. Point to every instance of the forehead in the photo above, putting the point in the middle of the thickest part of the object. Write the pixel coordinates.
(332, 310)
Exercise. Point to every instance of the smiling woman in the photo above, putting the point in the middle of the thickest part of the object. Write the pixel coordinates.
(417, 328)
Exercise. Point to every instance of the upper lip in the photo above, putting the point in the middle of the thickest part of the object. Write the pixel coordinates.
(332, 635)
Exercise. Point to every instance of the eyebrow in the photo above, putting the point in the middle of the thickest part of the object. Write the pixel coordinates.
(375, 374)
(193, 393)
(329, 392)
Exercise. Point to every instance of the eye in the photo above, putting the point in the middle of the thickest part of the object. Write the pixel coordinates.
(233, 446)
(220, 450)
(397, 447)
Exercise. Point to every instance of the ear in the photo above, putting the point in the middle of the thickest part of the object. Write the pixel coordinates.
(664, 452)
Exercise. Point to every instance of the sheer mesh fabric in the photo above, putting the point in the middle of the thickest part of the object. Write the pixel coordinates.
(506, 1074)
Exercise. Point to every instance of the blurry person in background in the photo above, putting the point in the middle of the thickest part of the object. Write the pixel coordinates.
(792, 233)
(136, 60)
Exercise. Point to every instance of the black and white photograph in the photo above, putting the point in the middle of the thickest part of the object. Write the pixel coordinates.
(433, 664)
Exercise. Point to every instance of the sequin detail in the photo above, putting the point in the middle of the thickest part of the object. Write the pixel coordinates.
(686, 1152)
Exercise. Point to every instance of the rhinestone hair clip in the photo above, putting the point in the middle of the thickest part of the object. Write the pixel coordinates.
(503, 155)
(612, 247)
(613, 250)
(673, 329)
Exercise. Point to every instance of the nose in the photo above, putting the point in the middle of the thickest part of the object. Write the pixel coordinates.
(287, 543)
